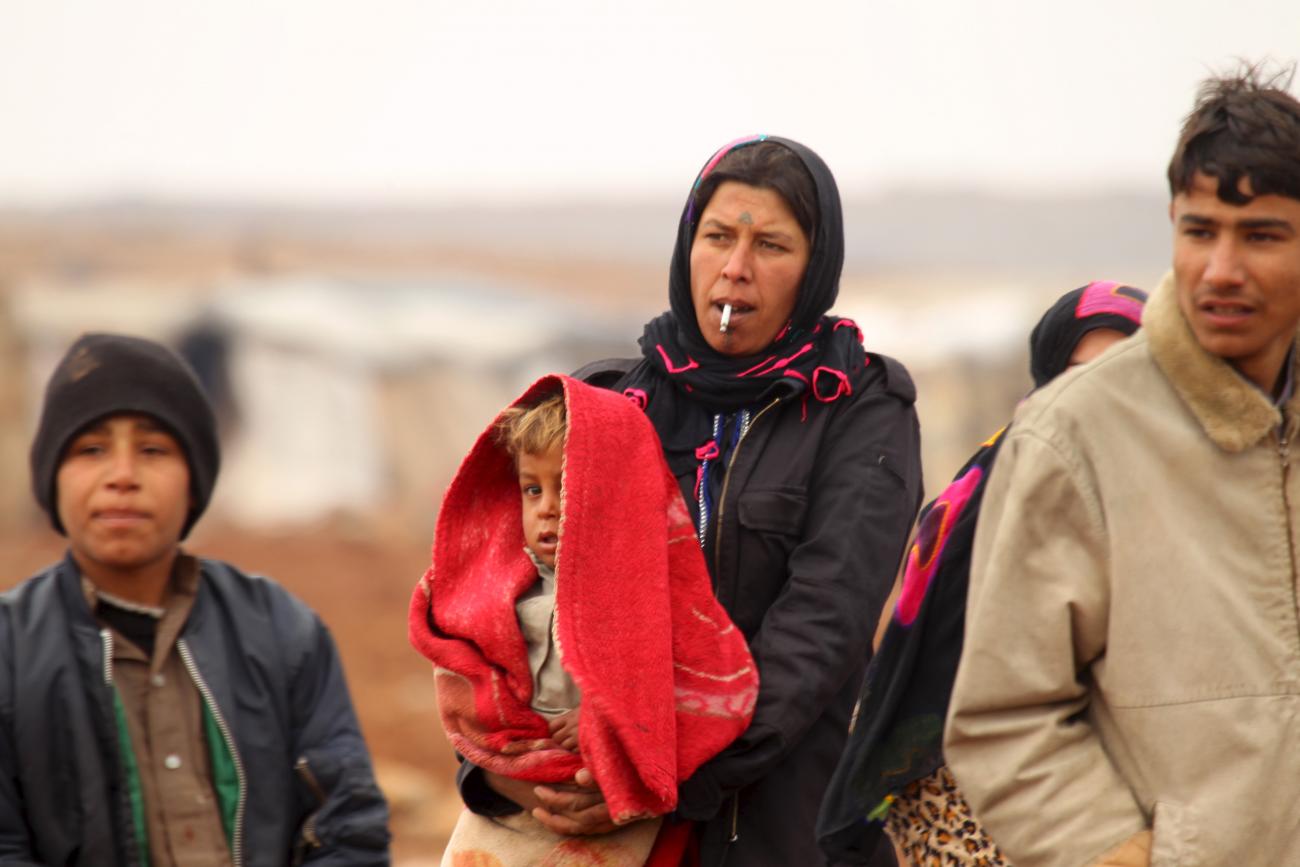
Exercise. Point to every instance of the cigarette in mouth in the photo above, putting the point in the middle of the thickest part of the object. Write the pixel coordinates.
(726, 318)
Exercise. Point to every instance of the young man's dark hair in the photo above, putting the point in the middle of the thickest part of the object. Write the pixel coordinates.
(1244, 125)
(155, 708)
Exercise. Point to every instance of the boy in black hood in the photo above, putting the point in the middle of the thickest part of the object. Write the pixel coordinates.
(155, 708)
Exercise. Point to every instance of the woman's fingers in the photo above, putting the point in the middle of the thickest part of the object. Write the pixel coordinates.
(583, 822)
(569, 800)
(578, 809)
(518, 791)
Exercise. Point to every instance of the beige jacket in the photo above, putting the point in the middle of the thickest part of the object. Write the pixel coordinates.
(1132, 654)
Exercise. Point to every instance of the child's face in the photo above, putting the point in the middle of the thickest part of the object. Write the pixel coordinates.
(539, 493)
(123, 494)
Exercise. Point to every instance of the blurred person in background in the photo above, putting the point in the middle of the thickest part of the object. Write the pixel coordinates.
(1129, 689)
(156, 708)
(892, 775)
(799, 455)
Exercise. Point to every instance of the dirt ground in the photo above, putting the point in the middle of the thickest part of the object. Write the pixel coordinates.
(361, 586)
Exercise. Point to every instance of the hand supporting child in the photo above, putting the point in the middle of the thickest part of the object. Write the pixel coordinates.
(564, 730)
(574, 809)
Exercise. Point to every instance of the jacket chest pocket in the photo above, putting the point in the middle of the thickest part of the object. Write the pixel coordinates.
(771, 525)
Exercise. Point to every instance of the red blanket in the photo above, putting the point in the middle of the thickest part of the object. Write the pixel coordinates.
(667, 681)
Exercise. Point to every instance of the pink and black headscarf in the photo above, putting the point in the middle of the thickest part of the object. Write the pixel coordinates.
(1100, 304)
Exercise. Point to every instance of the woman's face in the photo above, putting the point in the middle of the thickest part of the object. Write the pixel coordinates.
(1094, 343)
(749, 252)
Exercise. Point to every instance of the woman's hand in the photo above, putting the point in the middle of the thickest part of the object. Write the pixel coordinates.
(573, 809)
(520, 792)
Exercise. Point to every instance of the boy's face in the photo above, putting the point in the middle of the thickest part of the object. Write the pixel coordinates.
(123, 494)
(1237, 269)
(539, 492)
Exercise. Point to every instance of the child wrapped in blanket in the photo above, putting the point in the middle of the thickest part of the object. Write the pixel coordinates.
(566, 570)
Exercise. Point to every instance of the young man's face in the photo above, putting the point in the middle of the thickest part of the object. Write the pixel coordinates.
(539, 492)
(1237, 270)
(123, 495)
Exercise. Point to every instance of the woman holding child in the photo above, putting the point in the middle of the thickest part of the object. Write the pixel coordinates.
(797, 454)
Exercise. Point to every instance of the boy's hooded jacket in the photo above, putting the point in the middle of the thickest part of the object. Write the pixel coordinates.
(667, 681)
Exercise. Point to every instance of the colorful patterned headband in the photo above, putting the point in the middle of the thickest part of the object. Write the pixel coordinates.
(713, 163)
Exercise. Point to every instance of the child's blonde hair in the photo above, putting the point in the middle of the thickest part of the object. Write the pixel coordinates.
(532, 430)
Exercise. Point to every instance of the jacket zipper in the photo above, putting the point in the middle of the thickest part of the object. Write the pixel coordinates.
(303, 768)
(237, 838)
(726, 481)
(106, 642)
(1283, 453)
(734, 834)
(717, 568)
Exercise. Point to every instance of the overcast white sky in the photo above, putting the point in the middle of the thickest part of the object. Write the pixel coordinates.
(427, 101)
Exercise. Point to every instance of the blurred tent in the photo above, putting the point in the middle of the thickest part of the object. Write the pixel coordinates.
(351, 398)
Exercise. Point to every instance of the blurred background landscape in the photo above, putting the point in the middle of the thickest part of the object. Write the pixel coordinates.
(353, 358)
(369, 229)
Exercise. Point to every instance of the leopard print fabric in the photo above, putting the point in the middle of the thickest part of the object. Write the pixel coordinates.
(932, 826)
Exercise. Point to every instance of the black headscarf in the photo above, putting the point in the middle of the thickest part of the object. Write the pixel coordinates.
(821, 278)
(898, 735)
(682, 381)
(700, 400)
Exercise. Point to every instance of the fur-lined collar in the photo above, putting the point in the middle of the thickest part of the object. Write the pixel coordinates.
(1234, 413)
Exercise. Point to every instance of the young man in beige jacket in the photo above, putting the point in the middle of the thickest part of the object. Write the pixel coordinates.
(1129, 691)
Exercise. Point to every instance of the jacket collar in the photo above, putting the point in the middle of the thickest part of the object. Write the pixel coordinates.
(1233, 412)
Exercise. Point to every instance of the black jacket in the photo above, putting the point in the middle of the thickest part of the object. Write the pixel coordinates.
(808, 535)
(261, 657)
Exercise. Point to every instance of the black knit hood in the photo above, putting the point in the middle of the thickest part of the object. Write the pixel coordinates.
(110, 374)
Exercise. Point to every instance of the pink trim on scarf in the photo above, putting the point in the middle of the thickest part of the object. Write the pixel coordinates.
(848, 323)
(637, 396)
(691, 363)
(843, 387)
(775, 363)
(707, 452)
(724, 150)
(803, 401)
(1107, 296)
